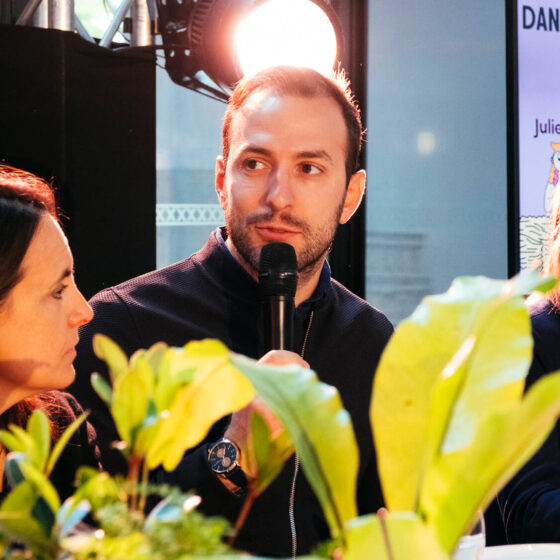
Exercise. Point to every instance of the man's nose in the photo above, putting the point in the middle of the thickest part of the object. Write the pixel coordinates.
(280, 191)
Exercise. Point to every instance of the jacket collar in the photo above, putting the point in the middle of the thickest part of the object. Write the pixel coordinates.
(224, 269)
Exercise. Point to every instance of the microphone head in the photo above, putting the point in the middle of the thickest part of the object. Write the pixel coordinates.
(278, 270)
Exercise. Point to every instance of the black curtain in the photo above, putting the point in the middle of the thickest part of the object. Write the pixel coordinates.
(84, 117)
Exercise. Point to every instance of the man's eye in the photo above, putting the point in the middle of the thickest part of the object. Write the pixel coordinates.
(310, 169)
(254, 164)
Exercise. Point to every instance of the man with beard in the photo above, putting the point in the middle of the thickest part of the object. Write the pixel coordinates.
(288, 173)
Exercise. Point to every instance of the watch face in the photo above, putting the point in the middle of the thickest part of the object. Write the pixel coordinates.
(223, 457)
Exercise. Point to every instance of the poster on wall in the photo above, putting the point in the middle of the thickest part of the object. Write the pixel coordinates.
(538, 88)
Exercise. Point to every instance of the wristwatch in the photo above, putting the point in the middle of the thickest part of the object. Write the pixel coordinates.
(223, 458)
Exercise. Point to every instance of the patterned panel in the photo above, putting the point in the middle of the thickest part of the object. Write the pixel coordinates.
(189, 215)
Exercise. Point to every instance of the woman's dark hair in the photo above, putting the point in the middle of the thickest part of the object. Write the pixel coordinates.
(24, 200)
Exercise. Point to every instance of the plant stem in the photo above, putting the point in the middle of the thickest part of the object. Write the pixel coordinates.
(251, 495)
(144, 487)
(133, 472)
(382, 516)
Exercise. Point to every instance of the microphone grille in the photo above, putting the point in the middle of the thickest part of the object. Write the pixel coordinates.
(278, 270)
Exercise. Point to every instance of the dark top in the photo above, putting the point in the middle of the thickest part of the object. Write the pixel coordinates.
(81, 450)
(210, 295)
(530, 503)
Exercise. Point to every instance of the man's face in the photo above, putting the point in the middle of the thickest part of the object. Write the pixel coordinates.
(285, 178)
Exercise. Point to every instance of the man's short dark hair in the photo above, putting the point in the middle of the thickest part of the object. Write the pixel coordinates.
(301, 82)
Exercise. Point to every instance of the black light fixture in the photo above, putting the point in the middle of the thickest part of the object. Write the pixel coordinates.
(210, 44)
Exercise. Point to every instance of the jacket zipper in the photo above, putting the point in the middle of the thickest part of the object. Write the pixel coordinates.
(296, 465)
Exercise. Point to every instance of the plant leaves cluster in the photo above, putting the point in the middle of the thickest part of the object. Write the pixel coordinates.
(450, 423)
(448, 413)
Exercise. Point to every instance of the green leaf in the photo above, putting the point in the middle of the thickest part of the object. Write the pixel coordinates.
(11, 442)
(176, 369)
(492, 312)
(320, 428)
(145, 438)
(217, 390)
(25, 444)
(445, 395)
(42, 484)
(155, 355)
(269, 454)
(110, 352)
(102, 388)
(129, 407)
(62, 441)
(15, 516)
(404, 533)
(461, 482)
(39, 430)
(44, 514)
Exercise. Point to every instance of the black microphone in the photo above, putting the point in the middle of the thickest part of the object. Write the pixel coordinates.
(277, 288)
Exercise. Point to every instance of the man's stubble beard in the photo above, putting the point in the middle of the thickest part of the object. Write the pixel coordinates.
(309, 258)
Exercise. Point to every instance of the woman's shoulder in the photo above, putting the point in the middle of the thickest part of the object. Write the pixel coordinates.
(545, 316)
(63, 409)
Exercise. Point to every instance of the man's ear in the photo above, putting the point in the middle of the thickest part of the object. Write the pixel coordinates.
(219, 181)
(354, 194)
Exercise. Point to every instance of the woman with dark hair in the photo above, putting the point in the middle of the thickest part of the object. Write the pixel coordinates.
(40, 312)
(530, 503)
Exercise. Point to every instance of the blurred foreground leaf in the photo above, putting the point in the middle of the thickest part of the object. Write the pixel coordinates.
(320, 429)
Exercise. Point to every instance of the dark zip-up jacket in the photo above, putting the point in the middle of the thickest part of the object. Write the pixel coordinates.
(210, 295)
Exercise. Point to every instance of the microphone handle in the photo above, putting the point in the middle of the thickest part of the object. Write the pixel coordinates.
(278, 314)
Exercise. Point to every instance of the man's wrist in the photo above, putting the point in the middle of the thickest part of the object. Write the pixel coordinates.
(224, 458)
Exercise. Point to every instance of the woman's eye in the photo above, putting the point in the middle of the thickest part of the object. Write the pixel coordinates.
(310, 169)
(58, 293)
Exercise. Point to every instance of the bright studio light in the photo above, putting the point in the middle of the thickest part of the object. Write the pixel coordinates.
(287, 32)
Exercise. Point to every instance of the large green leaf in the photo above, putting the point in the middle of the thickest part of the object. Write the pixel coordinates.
(461, 482)
(320, 429)
(217, 390)
(110, 352)
(490, 311)
(269, 454)
(404, 533)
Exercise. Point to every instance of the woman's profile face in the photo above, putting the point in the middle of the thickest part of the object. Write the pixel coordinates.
(40, 317)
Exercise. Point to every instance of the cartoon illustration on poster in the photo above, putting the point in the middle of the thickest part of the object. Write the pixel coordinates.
(539, 124)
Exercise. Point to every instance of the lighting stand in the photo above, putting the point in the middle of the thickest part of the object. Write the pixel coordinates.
(60, 14)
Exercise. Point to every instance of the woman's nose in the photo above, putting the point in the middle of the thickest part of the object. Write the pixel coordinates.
(82, 313)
